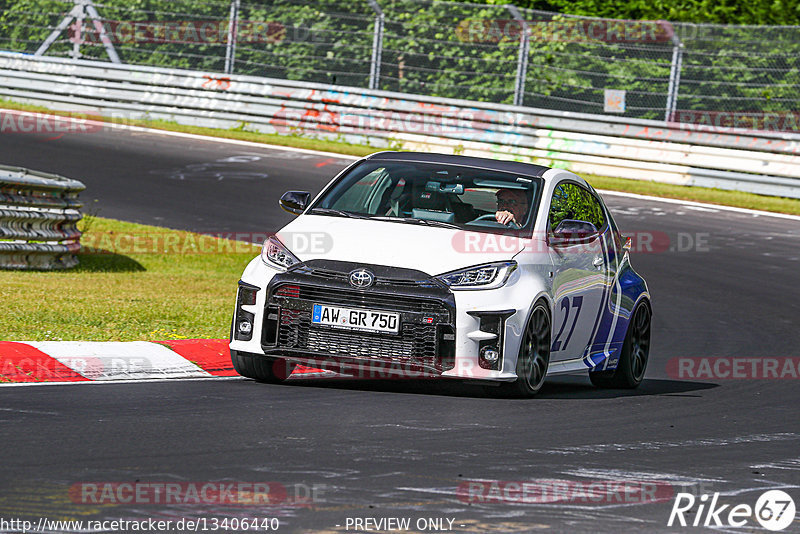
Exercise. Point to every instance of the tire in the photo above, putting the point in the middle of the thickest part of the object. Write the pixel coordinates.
(261, 368)
(635, 352)
(534, 355)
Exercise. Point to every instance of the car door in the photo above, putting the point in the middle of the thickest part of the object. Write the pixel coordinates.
(580, 269)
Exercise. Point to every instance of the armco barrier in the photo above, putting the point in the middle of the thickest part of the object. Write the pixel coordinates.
(760, 162)
(38, 217)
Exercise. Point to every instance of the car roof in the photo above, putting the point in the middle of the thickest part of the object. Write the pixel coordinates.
(515, 167)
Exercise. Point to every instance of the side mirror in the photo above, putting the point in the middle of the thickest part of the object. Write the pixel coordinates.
(295, 202)
(572, 232)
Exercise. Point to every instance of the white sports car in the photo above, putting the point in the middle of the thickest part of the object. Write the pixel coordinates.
(430, 265)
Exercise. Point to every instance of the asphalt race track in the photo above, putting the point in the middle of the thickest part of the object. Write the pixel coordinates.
(724, 284)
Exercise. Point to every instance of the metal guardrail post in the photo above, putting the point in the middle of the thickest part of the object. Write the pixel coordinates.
(78, 37)
(104, 38)
(233, 27)
(38, 217)
(674, 78)
(522, 58)
(79, 14)
(77, 10)
(377, 47)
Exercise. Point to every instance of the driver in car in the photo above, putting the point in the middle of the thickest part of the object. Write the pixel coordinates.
(512, 206)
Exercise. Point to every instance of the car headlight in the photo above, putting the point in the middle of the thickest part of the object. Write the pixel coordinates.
(275, 254)
(489, 276)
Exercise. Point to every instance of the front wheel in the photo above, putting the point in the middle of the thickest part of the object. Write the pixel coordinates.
(635, 352)
(261, 368)
(534, 355)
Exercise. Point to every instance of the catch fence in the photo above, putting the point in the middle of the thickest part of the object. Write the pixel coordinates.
(703, 74)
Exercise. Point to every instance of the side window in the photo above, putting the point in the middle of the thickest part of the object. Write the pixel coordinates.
(571, 201)
(366, 195)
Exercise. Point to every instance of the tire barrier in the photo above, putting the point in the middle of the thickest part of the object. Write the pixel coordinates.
(39, 213)
(756, 161)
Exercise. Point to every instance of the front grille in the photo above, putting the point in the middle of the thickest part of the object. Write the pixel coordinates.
(328, 274)
(415, 343)
(361, 299)
(355, 345)
(426, 338)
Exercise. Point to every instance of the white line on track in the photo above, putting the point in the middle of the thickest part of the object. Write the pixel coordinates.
(690, 204)
(104, 382)
(141, 129)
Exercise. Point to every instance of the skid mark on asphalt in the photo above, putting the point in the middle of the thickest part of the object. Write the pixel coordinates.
(35, 412)
(791, 464)
(310, 472)
(431, 429)
(230, 168)
(620, 475)
(658, 445)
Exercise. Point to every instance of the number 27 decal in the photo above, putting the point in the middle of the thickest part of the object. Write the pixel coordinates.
(577, 302)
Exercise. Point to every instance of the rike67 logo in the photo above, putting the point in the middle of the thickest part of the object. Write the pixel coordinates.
(774, 510)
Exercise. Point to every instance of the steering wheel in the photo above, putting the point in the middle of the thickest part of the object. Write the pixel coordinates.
(491, 217)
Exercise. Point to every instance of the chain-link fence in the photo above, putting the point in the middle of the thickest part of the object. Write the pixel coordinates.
(501, 54)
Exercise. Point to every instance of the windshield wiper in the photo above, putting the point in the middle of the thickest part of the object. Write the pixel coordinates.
(339, 213)
(440, 224)
(426, 222)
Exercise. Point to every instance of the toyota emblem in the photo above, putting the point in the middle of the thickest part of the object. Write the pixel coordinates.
(361, 278)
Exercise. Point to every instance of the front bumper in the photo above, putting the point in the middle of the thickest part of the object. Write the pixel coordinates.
(424, 346)
(440, 334)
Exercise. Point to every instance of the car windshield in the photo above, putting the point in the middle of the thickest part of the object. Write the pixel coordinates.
(435, 195)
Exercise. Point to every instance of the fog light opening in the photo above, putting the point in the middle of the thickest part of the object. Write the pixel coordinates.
(245, 327)
(490, 354)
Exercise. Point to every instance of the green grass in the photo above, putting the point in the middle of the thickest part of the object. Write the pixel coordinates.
(119, 295)
(698, 194)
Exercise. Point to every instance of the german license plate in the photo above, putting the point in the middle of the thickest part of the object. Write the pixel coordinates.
(356, 319)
